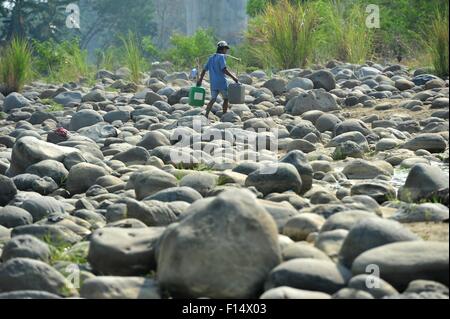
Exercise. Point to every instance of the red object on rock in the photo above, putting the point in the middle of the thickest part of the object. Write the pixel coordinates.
(62, 132)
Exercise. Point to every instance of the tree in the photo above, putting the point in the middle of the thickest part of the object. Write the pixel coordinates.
(34, 19)
(112, 17)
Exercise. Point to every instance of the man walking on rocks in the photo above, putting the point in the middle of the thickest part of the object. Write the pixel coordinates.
(217, 68)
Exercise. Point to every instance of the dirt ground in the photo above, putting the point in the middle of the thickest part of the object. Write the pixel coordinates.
(395, 111)
(431, 231)
(427, 231)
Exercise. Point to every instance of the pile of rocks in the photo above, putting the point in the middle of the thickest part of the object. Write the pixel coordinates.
(324, 182)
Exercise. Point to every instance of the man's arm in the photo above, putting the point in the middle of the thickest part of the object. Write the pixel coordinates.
(202, 76)
(225, 70)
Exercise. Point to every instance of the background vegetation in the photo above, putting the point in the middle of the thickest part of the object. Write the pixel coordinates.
(281, 34)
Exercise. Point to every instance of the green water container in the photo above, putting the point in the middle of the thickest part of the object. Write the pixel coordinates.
(197, 96)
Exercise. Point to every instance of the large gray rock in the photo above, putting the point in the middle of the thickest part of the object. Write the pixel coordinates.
(120, 288)
(8, 190)
(12, 216)
(29, 150)
(281, 212)
(176, 194)
(94, 96)
(26, 247)
(312, 100)
(68, 98)
(353, 294)
(15, 101)
(49, 168)
(323, 79)
(348, 149)
(277, 86)
(327, 122)
(351, 126)
(28, 295)
(292, 293)
(422, 181)
(153, 213)
(28, 274)
(371, 233)
(420, 286)
(153, 139)
(302, 83)
(309, 274)
(433, 143)
(134, 156)
(330, 242)
(150, 182)
(346, 220)
(82, 176)
(123, 252)
(41, 207)
(118, 115)
(303, 250)
(224, 248)
(377, 287)
(300, 161)
(84, 118)
(362, 169)
(275, 178)
(423, 213)
(379, 190)
(401, 263)
(356, 137)
(53, 234)
(299, 227)
(202, 182)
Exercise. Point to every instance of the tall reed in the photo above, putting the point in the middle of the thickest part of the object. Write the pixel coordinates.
(133, 56)
(438, 43)
(15, 66)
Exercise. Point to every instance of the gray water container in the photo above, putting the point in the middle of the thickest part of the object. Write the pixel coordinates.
(236, 93)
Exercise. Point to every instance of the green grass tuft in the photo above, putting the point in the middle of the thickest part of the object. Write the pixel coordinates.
(133, 56)
(15, 66)
(438, 43)
(54, 107)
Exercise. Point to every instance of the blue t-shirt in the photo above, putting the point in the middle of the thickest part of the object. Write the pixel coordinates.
(215, 65)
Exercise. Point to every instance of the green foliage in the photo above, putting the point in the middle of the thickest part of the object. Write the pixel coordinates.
(3, 115)
(15, 66)
(110, 58)
(62, 62)
(61, 252)
(402, 25)
(34, 19)
(351, 40)
(284, 35)
(133, 56)
(438, 39)
(53, 106)
(338, 155)
(186, 51)
(150, 48)
(256, 7)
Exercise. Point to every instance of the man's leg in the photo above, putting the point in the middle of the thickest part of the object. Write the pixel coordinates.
(225, 106)
(209, 107)
(225, 101)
